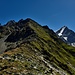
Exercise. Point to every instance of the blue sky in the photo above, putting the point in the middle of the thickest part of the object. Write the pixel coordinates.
(54, 13)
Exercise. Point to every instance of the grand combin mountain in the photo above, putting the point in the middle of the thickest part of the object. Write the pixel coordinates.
(27, 48)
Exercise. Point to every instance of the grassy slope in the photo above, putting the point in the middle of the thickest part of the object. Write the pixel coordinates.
(63, 54)
(28, 57)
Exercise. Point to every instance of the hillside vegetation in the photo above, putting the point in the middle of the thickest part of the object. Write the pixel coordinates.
(32, 49)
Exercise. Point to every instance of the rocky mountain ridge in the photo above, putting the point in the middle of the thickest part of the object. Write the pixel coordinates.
(27, 48)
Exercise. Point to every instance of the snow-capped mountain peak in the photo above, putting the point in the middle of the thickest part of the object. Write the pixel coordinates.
(62, 30)
(66, 35)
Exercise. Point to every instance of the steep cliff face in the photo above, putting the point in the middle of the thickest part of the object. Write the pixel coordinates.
(67, 35)
(32, 49)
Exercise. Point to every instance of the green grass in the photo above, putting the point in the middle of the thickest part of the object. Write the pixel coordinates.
(43, 44)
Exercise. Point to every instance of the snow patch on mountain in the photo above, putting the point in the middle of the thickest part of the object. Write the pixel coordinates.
(65, 38)
(63, 28)
(73, 44)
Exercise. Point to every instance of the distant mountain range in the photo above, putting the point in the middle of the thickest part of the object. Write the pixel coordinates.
(27, 48)
(67, 35)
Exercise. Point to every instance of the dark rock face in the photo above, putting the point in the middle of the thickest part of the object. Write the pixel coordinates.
(11, 22)
(66, 35)
(21, 34)
(14, 32)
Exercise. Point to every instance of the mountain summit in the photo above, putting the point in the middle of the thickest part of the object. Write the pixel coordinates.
(67, 35)
(27, 48)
